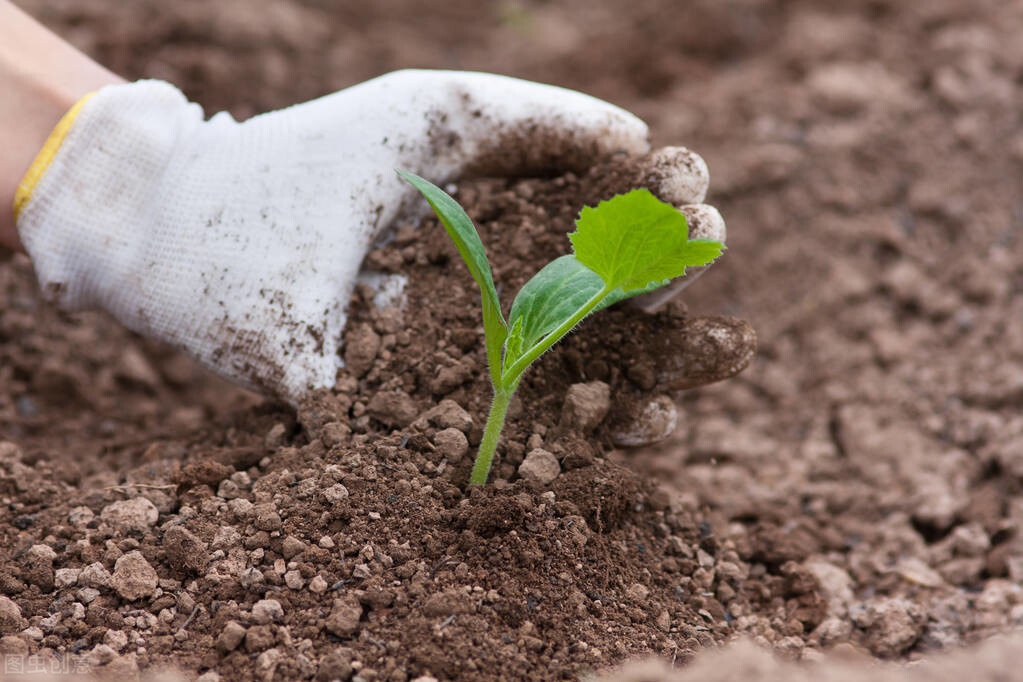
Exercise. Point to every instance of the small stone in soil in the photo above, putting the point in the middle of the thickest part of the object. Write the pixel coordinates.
(292, 547)
(267, 611)
(66, 577)
(451, 443)
(136, 514)
(539, 467)
(335, 494)
(133, 577)
(393, 408)
(259, 638)
(361, 347)
(637, 592)
(267, 518)
(10, 616)
(116, 639)
(294, 581)
(586, 405)
(343, 620)
(448, 603)
(449, 415)
(184, 550)
(230, 637)
(892, 625)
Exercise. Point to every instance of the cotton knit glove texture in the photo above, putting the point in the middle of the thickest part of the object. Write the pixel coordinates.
(241, 242)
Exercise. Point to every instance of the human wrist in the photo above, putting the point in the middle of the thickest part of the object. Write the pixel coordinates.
(42, 77)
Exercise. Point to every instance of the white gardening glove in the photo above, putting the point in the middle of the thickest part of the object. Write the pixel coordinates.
(241, 242)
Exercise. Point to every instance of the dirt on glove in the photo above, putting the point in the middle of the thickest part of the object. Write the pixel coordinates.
(858, 488)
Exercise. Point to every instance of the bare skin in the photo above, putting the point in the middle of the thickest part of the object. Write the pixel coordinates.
(41, 77)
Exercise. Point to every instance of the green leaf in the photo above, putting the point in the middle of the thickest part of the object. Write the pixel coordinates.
(463, 233)
(635, 239)
(548, 299)
(552, 296)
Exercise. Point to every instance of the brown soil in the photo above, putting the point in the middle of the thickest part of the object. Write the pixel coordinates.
(858, 487)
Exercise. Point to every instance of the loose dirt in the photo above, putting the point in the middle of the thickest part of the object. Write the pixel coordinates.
(857, 488)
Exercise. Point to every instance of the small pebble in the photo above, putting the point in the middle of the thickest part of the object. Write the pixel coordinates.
(294, 581)
(136, 514)
(540, 467)
(66, 577)
(10, 616)
(267, 611)
(586, 405)
(230, 637)
(452, 444)
(344, 618)
(133, 577)
(335, 494)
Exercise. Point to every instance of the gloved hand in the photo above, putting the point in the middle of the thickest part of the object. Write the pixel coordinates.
(241, 242)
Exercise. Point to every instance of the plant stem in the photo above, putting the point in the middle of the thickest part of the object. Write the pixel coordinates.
(488, 446)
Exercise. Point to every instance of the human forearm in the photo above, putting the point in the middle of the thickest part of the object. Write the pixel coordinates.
(41, 77)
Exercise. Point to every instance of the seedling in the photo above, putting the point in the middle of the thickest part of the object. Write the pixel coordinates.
(626, 246)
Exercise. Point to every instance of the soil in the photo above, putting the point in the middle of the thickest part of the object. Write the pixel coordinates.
(856, 490)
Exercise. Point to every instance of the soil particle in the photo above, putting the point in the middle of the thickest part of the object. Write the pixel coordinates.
(266, 518)
(539, 467)
(292, 546)
(115, 639)
(891, 625)
(259, 638)
(835, 584)
(392, 408)
(447, 603)
(266, 611)
(448, 414)
(361, 347)
(133, 577)
(11, 645)
(585, 406)
(452, 444)
(336, 665)
(94, 575)
(335, 494)
(344, 617)
(37, 568)
(66, 577)
(232, 635)
(185, 552)
(10, 616)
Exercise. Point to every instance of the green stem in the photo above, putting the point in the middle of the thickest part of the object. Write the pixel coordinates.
(512, 374)
(495, 331)
(488, 446)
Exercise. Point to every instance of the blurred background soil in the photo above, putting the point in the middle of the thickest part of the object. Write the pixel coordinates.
(868, 159)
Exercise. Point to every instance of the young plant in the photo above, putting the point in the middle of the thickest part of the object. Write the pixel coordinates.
(626, 246)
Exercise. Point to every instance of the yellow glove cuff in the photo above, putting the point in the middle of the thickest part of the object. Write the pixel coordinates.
(45, 157)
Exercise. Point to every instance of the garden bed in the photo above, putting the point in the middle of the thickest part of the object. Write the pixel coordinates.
(857, 487)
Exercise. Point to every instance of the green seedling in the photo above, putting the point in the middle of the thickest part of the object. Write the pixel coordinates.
(626, 246)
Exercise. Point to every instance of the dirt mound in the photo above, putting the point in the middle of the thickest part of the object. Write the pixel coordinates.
(343, 539)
